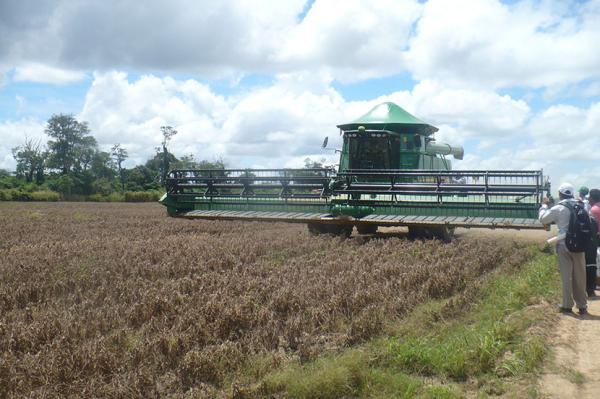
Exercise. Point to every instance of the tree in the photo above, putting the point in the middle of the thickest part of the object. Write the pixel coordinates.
(30, 161)
(85, 151)
(71, 147)
(310, 164)
(102, 166)
(216, 164)
(155, 164)
(168, 132)
(119, 154)
(186, 162)
(141, 178)
(102, 169)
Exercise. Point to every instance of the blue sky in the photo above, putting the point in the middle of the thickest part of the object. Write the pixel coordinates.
(517, 83)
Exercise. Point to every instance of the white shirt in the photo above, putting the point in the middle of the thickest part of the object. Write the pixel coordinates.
(586, 204)
(559, 214)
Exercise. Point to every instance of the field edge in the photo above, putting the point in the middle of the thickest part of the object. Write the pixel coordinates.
(486, 341)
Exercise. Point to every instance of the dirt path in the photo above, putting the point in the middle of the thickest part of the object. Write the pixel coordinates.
(574, 371)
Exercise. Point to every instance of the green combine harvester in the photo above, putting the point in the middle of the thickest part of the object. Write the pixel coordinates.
(391, 173)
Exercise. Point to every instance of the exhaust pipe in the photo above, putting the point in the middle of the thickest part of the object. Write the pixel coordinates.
(445, 149)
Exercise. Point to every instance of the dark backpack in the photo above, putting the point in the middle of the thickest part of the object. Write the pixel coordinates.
(580, 229)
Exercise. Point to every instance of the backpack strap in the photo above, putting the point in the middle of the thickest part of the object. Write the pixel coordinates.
(572, 215)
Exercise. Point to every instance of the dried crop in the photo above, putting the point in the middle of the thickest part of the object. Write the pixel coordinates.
(117, 300)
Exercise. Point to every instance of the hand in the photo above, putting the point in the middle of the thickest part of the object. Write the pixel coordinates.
(546, 201)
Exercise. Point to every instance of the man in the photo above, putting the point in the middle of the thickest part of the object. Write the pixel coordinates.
(571, 264)
(591, 259)
(583, 192)
(595, 205)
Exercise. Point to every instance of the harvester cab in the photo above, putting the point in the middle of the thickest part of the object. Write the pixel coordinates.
(388, 137)
(391, 173)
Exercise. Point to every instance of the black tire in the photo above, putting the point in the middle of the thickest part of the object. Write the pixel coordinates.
(366, 228)
(316, 229)
(333, 229)
(341, 230)
(443, 233)
(418, 232)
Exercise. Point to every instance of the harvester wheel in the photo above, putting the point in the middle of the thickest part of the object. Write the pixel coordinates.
(418, 232)
(341, 230)
(366, 228)
(317, 228)
(443, 233)
(333, 229)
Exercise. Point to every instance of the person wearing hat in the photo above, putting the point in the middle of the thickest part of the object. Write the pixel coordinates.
(591, 253)
(583, 197)
(570, 264)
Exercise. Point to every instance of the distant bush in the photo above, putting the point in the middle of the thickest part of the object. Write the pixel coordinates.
(14, 194)
(44, 196)
(112, 197)
(142, 196)
(6, 195)
(97, 198)
(115, 197)
(74, 197)
(19, 195)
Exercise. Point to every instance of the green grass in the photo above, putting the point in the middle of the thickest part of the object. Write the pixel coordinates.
(482, 335)
(574, 376)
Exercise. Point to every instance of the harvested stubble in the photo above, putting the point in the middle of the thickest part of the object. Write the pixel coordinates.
(117, 300)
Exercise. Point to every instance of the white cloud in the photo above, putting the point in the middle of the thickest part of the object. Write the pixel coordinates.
(14, 134)
(568, 133)
(460, 114)
(132, 113)
(214, 38)
(483, 43)
(39, 73)
(527, 44)
(287, 119)
(262, 126)
(356, 39)
(353, 39)
(562, 140)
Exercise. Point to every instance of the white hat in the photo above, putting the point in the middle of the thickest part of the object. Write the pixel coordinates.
(567, 189)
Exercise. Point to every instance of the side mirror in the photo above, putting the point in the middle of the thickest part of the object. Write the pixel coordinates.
(324, 145)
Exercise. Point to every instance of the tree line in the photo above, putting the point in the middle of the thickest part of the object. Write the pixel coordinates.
(71, 166)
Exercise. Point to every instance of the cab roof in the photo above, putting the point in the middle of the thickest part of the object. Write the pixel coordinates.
(389, 116)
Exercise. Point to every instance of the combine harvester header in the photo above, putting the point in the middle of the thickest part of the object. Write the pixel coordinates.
(391, 173)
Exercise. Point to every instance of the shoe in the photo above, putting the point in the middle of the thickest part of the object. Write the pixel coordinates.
(582, 311)
(564, 310)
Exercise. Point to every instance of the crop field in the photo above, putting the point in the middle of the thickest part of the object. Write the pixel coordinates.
(118, 300)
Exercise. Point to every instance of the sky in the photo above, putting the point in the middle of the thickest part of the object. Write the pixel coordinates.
(260, 83)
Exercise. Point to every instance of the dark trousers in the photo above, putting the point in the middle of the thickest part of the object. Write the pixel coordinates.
(590, 278)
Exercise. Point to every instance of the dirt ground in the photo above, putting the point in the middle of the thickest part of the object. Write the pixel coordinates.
(574, 369)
